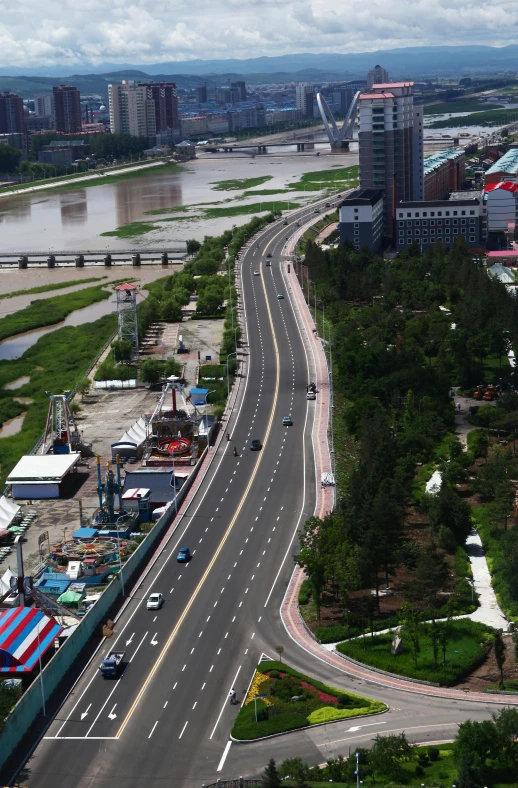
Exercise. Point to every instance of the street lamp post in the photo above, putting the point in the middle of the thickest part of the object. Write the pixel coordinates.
(234, 353)
(41, 673)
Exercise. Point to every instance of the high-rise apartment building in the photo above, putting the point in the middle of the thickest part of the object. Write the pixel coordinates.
(377, 76)
(143, 109)
(67, 108)
(201, 94)
(304, 99)
(132, 111)
(12, 116)
(165, 98)
(44, 105)
(391, 145)
(240, 88)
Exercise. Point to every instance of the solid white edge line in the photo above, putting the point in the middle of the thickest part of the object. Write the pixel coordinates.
(224, 704)
(224, 756)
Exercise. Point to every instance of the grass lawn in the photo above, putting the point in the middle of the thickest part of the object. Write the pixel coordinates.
(131, 230)
(257, 207)
(55, 286)
(234, 184)
(471, 105)
(277, 713)
(48, 311)
(320, 179)
(465, 649)
(487, 118)
(55, 363)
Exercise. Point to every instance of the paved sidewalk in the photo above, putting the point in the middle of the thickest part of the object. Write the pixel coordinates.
(489, 611)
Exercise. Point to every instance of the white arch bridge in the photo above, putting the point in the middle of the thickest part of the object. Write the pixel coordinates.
(338, 137)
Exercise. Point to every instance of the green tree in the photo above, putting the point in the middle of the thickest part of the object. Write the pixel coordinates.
(429, 577)
(193, 246)
(506, 723)
(312, 558)
(83, 387)
(209, 301)
(499, 651)
(475, 743)
(171, 310)
(9, 159)
(387, 754)
(151, 370)
(270, 778)
(122, 350)
(295, 769)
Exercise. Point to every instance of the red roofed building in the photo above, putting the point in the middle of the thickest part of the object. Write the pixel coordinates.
(501, 201)
(25, 635)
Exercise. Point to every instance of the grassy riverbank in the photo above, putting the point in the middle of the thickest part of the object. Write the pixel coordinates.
(495, 117)
(471, 105)
(234, 184)
(54, 286)
(48, 311)
(55, 363)
(336, 178)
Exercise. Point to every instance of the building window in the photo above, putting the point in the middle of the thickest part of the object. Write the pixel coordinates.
(439, 213)
(425, 213)
(432, 240)
(401, 232)
(446, 221)
(472, 239)
(472, 213)
(417, 232)
(425, 232)
(409, 215)
(439, 231)
(432, 232)
(447, 213)
(463, 221)
(425, 240)
(417, 214)
(455, 213)
(401, 224)
(472, 221)
(409, 224)
(439, 222)
(417, 223)
(455, 221)
(409, 232)
(455, 231)
(463, 213)
(357, 224)
(432, 213)
(400, 215)
(425, 223)
(356, 232)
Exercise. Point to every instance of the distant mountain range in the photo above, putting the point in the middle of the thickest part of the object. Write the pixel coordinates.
(412, 62)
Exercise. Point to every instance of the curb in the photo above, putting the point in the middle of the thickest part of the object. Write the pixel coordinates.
(384, 672)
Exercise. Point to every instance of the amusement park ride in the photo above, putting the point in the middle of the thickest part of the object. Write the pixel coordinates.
(61, 434)
(172, 432)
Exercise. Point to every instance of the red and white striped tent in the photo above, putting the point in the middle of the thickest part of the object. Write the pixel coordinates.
(25, 634)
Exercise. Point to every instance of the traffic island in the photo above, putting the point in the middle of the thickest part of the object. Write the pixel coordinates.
(280, 699)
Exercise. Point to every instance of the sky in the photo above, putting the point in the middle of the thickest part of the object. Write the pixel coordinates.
(79, 32)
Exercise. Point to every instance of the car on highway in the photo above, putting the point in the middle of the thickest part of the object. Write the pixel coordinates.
(255, 445)
(269, 254)
(184, 555)
(256, 273)
(268, 262)
(286, 421)
(280, 296)
(154, 601)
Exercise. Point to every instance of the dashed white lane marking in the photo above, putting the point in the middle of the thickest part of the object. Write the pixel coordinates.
(183, 729)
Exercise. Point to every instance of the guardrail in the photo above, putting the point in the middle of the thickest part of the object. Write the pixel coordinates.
(239, 783)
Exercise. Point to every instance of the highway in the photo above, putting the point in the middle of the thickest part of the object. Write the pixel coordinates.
(167, 719)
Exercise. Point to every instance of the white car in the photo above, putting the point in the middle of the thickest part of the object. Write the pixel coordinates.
(256, 273)
(154, 601)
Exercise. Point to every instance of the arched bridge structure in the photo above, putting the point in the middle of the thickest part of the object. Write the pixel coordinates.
(339, 138)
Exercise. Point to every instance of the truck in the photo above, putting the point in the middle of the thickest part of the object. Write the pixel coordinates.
(111, 666)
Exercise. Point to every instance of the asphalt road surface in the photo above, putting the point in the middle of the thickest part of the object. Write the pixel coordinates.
(167, 720)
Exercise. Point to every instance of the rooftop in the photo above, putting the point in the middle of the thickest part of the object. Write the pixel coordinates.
(363, 197)
(507, 163)
(25, 635)
(389, 85)
(46, 467)
(436, 159)
(376, 95)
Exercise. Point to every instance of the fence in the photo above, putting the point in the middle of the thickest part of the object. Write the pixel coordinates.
(30, 704)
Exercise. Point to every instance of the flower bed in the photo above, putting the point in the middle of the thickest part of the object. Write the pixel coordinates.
(294, 701)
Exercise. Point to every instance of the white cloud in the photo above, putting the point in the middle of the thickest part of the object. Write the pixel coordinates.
(65, 32)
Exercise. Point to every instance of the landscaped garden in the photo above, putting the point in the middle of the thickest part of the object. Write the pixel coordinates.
(292, 700)
(442, 653)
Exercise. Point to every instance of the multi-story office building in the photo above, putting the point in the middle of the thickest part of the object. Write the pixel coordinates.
(194, 126)
(444, 173)
(240, 90)
(501, 201)
(67, 108)
(304, 99)
(506, 168)
(441, 221)
(361, 219)
(132, 110)
(44, 105)
(246, 118)
(16, 140)
(343, 97)
(12, 115)
(282, 115)
(377, 76)
(164, 96)
(391, 145)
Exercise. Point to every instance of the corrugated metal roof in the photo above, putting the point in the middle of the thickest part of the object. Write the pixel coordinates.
(436, 159)
(507, 163)
(25, 634)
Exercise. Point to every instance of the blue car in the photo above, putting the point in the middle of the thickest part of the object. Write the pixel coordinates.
(184, 555)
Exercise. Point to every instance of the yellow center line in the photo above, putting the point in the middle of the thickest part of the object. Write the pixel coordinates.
(221, 544)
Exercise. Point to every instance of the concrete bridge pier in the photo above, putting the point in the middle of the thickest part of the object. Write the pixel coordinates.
(79, 261)
(107, 261)
(135, 259)
(51, 261)
(23, 262)
(164, 258)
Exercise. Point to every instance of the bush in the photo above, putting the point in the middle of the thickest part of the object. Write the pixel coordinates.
(274, 674)
(332, 713)
(433, 753)
(332, 634)
(305, 593)
(419, 771)
(446, 539)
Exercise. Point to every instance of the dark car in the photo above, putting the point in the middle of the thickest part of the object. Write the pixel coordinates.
(286, 421)
(255, 445)
(184, 555)
(269, 254)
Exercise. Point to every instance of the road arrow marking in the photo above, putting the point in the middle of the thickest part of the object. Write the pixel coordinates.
(153, 641)
(130, 640)
(111, 715)
(83, 715)
(357, 728)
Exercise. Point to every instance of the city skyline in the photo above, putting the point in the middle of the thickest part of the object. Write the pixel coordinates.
(69, 34)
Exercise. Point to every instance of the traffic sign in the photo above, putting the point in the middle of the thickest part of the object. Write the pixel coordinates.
(262, 695)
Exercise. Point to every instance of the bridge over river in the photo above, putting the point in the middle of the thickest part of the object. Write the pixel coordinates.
(99, 257)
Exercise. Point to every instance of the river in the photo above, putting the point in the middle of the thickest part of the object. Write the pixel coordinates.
(74, 219)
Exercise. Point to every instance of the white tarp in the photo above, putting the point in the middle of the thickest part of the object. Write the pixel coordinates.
(8, 512)
(434, 483)
(136, 434)
(43, 467)
(116, 384)
(5, 582)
